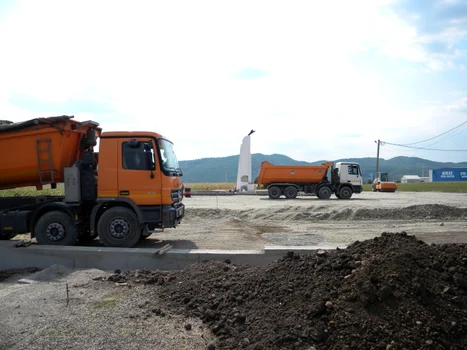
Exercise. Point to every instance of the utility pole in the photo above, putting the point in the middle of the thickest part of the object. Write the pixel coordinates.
(377, 158)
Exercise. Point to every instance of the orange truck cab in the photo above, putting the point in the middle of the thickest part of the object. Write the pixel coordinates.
(129, 188)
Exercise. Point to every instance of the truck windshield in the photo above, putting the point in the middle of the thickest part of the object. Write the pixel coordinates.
(169, 159)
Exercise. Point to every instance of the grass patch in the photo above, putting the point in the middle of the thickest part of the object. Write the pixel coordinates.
(31, 191)
(214, 186)
(108, 302)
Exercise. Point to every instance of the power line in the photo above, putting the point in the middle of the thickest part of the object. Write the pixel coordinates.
(424, 148)
(443, 138)
(444, 133)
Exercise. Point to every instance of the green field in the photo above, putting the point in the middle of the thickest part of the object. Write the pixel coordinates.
(429, 187)
(460, 187)
(31, 191)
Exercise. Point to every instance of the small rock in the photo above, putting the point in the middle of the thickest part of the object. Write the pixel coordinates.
(329, 304)
(118, 271)
(441, 224)
(321, 252)
(188, 327)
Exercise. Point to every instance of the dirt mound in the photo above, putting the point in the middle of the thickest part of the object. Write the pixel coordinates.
(391, 292)
(414, 212)
(427, 211)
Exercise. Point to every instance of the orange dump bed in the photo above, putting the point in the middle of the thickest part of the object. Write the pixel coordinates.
(269, 173)
(35, 152)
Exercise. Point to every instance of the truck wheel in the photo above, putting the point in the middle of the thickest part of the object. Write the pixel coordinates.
(290, 192)
(274, 192)
(55, 228)
(345, 192)
(324, 192)
(119, 227)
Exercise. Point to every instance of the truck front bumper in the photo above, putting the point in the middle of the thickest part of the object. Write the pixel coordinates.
(173, 215)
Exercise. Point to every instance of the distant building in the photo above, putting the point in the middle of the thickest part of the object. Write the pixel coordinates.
(410, 178)
(448, 175)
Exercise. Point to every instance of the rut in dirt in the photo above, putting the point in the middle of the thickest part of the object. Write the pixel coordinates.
(390, 292)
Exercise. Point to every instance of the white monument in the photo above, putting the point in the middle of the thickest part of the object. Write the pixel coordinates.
(244, 181)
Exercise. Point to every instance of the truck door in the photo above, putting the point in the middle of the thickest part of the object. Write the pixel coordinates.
(138, 176)
(351, 173)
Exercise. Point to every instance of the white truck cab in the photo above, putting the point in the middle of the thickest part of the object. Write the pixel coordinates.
(350, 172)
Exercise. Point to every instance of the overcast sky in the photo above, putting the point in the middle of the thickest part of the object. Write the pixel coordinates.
(316, 79)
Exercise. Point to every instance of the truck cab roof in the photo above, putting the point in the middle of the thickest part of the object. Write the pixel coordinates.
(112, 134)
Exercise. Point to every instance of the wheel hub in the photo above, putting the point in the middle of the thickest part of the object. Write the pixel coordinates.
(119, 228)
(55, 232)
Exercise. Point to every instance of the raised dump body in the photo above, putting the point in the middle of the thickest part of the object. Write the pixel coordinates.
(36, 152)
(270, 173)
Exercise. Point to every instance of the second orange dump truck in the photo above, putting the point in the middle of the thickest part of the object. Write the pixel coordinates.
(131, 186)
(343, 179)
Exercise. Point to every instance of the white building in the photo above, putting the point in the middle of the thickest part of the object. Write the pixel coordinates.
(410, 178)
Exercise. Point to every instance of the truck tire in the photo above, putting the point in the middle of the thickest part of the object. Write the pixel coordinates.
(345, 192)
(274, 192)
(290, 192)
(55, 228)
(119, 227)
(324, 192)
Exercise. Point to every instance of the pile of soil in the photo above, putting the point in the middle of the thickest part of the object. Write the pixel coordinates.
(413, 212)
(426, 211)
(391, 292)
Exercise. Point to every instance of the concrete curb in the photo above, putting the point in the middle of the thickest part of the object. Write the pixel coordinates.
(106, 258)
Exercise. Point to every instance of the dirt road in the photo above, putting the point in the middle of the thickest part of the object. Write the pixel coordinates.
(253, 222)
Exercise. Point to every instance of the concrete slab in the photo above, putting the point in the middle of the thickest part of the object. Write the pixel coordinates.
(106, 258)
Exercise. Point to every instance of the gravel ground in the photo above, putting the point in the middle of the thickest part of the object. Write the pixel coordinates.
(36, 314)
(147, 309)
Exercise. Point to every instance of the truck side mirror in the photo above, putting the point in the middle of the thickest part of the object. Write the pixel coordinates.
(149, 163)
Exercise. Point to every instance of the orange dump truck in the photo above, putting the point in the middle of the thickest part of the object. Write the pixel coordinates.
(121, 193)
(323, 180)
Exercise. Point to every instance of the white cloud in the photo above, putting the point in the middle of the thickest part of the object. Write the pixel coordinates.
(170, 67)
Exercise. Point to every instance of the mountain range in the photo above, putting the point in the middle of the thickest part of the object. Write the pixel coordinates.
(211, 170)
